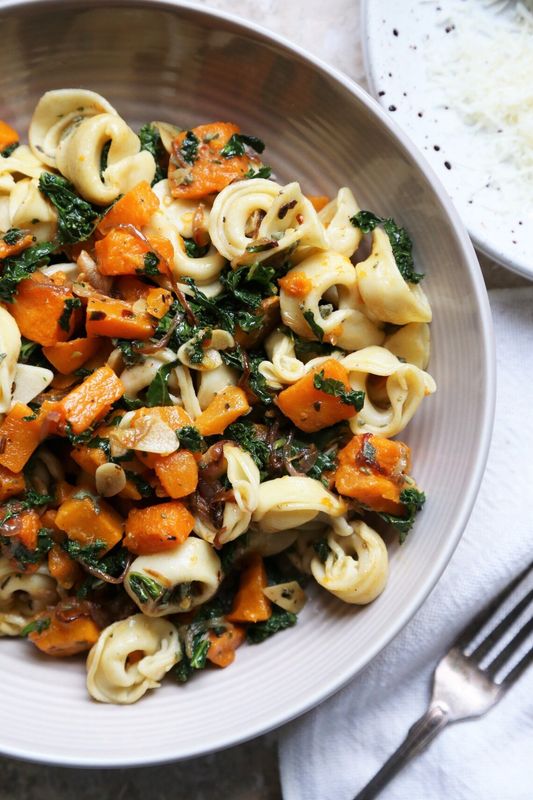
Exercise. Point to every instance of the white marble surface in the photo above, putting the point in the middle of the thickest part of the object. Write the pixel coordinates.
(330, 30)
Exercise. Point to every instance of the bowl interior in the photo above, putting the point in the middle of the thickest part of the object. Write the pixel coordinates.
(160, 61)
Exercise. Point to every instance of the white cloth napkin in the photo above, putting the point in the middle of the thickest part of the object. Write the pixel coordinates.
(332, 752)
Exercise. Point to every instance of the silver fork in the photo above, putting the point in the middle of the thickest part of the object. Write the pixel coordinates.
(461, 687)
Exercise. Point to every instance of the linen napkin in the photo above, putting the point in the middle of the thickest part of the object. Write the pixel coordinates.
(332, 752)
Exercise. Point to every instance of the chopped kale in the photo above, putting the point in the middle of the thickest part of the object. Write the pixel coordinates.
(184, 669)
(306, 349)
(235, 146)
(321, 548)
(101, 443)
(250, 284)
(238, 359)
(157, 393)
(348, 397)
(194, 250)
(33, 499)
(36, 626)
(191, 439)
(7, 151)
(13, 236)
(130, 350)
(78, 438)
(313, 324)
(17, 268)
(76, 218)
(261, 172)
(68, 307)
(245, 435)
(28, 350)
(103, 157)
(144, 587)
(195, 346)
(401, 244)
(144, 488)
(89, 554)
(151, 264)
(151, 141)
(413, 499)
(229, 554)
(22, 554)
(189, 147)
(280, 619)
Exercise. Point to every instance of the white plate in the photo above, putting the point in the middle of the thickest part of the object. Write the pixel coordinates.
(397, 38)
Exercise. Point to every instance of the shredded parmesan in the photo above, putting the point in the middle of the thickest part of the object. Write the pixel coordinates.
(485, 71)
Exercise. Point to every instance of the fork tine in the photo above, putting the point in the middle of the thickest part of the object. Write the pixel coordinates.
(494, 667)
(518, 669)
(473, 627)
(495, 635)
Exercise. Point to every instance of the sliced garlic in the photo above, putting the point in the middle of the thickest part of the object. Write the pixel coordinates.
(289, 596)
(29, 382)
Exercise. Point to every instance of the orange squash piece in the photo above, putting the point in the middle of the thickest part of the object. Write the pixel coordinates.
(222, 648)
(296, 284)
(62, 638)
(134, 208)
(85, 520)
(121, 252)
(11, 483)
(92, 399)
(157, 528)
(67, 357)
(312, 409)
(227, 406)
(8, 135)
(318, 201)
(63, 568)
(372, 470)
(158, 302)
(177, 473)
(210, 172)
(39, 306)
(21, 435)
(7, 250)
(116, 319)
(250, 604)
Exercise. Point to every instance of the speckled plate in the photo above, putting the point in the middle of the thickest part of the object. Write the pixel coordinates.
(397, 38)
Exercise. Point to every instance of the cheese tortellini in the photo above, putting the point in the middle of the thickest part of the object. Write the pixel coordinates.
(22, 596)
(292, 501)
(389, 411)
(175, 580)
(10, 342)
(113, 676)
(356, 567)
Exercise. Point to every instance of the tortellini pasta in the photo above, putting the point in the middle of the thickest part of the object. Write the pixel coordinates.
(284, 216)
(292, 501)
(175, 580)
(385, 293)
(10, 342)
(356, 567)
(411, 343)
(201, 352)
(243, 477)
(341, 235)
(29, 210)
(57, 114)
(211, 382)
(405, 388)
(303, 308)
(22, 596)
(79, 156)
(113, 676)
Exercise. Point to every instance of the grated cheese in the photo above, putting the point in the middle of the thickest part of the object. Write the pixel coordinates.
(485, 71)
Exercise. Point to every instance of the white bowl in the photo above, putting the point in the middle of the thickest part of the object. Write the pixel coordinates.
(156, 60)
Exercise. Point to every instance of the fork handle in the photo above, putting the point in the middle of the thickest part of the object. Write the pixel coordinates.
(419, 736)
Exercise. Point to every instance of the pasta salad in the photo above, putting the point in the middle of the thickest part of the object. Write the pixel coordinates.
(202, 372)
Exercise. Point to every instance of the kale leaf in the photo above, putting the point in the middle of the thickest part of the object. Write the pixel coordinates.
(150, 265)
(245, 435)
(151, 141)
(36, 626)
(250, 284)
(130, 350)
(261, 172)
(146, 589)
(18, 268)
(7, 151)
(401, 244)
(321, 548)
(194, 250)
(191, 439)
(76, 218)
(189, 147)
(68, 307)
(13, 236)
(349, 397)
(280, 619)
(313, 324)
(235, 146)
(157, 393)
(238, 359)
(413, 499)
(89, 554)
